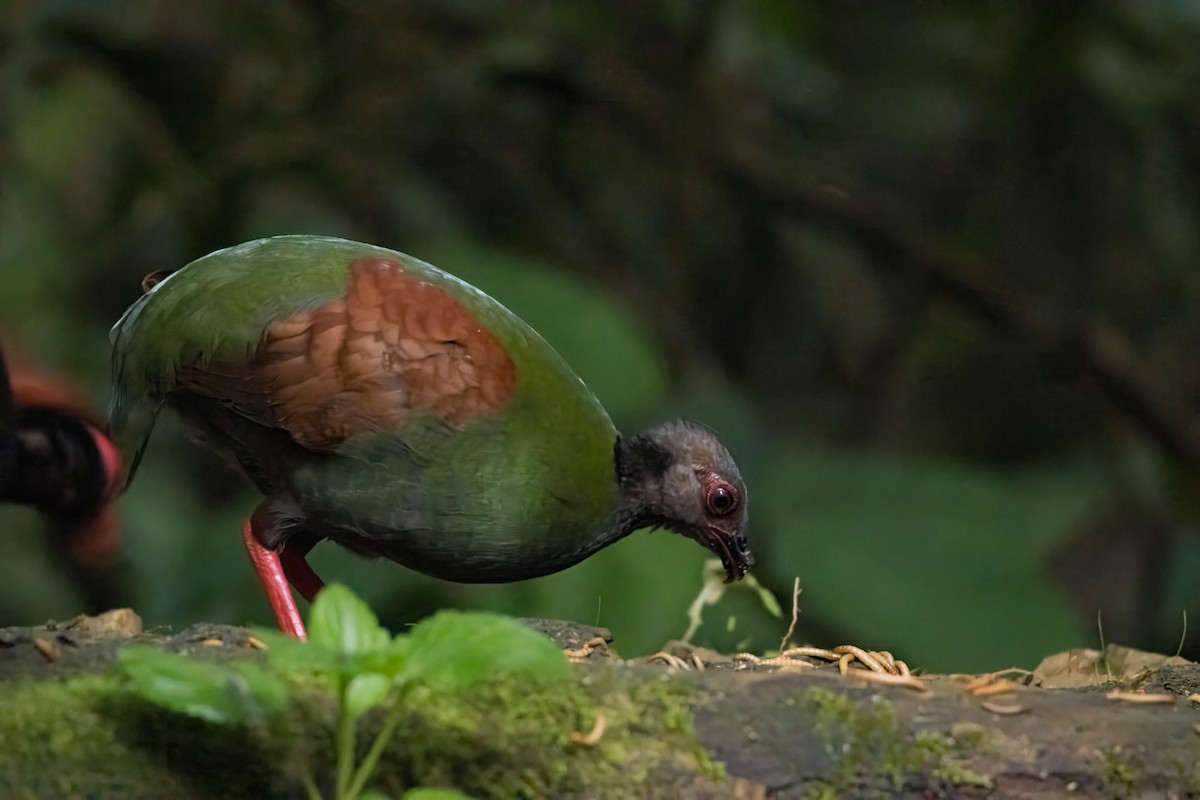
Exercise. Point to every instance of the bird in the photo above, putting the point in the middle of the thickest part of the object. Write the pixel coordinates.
(387, 406)
(55, 459)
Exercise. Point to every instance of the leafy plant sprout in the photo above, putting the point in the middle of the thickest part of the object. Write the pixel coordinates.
(363, 664)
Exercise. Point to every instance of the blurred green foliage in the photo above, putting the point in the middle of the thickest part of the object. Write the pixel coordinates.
(929, 269)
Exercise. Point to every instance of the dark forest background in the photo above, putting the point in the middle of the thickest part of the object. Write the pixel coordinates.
(929, 268)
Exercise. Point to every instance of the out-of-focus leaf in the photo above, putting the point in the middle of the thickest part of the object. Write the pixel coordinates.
(289, 653)
(47, 136)
(936, 562)
(216, 692)
(365, 691)
(344, 639)
(342, 622)
(432, 794)
(453, 649)
(1133, 84)
(34, 255)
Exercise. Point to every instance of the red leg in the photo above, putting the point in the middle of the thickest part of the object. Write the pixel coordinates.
(274, 581)
(297, 570)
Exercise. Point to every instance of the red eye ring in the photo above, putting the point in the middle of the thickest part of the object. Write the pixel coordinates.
(721, 499)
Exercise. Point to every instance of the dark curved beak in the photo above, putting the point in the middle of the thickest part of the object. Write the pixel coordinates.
(731, 547)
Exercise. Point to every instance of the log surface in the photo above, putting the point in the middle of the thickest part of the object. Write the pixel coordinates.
(69, 728)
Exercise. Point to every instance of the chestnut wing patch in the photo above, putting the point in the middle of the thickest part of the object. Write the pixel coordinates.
(392, 346)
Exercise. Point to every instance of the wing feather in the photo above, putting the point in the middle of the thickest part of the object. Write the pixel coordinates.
(391, 346)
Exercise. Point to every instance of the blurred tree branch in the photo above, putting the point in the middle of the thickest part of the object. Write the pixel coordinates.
(1103, 351)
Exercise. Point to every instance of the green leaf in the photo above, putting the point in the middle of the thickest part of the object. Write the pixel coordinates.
(389, 661)
(289, 653)
(216, 692)
(365, 691)
(261, 692)
(342, 622)
(764, 596)
(453, 649)
(430, 794)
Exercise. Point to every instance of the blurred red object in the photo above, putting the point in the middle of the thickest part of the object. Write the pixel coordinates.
(55, 458)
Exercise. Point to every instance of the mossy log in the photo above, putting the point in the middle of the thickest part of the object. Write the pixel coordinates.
(70, 729)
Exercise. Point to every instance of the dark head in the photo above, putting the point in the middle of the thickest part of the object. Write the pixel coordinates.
(679, 476)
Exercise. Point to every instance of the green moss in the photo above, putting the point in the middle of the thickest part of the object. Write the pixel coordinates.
(86, 736)
(868, 748)
(514, 740)
(821, 791)
(1187, 775)
(1118, 770)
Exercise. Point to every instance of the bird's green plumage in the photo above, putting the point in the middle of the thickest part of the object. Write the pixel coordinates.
(524, 491)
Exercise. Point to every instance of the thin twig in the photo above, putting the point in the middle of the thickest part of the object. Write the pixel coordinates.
(588, 647)
(879, 663)
(777, 661)
(671, 660)
(905, 681)
(1163, 698)
(795, 613)
(999, 687)
(849, 652)
(592, 737)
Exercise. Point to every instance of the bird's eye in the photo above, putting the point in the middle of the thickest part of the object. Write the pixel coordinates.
(721, 499)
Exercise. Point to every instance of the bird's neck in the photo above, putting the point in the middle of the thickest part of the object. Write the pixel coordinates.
(630, 516)
(623, 520)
